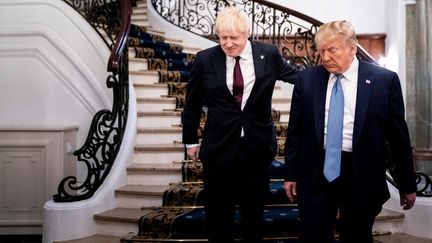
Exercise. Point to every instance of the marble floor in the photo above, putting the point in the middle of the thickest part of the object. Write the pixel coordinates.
(391, 238)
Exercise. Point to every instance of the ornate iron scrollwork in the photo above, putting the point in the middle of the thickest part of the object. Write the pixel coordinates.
(107, 128)
(277, 25)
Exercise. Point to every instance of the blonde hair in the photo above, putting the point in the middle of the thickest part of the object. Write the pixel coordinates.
(340, 27)
(232, 19)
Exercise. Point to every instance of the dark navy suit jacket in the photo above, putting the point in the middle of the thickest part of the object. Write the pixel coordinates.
(225, 119)
(379, 117)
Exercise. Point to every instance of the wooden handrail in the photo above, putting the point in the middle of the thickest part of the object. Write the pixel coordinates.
(121, 39)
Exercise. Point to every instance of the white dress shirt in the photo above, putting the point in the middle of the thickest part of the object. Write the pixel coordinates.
(247, 70)
(248, 73)
(349, 86)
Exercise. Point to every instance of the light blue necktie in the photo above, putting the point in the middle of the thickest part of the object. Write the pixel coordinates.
(333, 152)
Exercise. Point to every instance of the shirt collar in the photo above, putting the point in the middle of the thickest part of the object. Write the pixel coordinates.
(351, 73)
(246, 53)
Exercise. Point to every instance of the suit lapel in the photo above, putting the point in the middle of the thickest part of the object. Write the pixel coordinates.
(219, 65)
(365, 84)
(319, 105)
(259, 61)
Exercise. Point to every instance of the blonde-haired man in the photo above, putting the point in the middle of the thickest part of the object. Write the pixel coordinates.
(336, 163)
(235, 80)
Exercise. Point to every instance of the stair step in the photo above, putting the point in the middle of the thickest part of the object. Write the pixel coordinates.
(156, 104)
(154, 90)
(158, 119)
(142, 23)
(158, 134)
(139, 10)
(137, 64)
(144, 76)
(162, 153)
(141, 4)
(119, 221)
(95, 239)
(142, 190)
(281, 103)
(139, 17)
(388, 221)
(135, 196)
(154, 173)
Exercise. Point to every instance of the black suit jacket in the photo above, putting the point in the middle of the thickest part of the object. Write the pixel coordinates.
(379, 117)
(225, 119)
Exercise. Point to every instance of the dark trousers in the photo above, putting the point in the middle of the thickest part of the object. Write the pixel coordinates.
(318, 213)
(241, 186)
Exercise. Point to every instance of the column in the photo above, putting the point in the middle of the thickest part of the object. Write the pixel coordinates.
(423, 86)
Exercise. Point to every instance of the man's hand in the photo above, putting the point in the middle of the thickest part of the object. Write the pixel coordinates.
(291, 190)
(193, 153)
(407, 200)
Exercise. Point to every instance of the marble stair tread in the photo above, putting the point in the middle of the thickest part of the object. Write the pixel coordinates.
(281, 100)
(163, 99)
(124, 215)
(140, 16)
(160, 130)
(400, 238)
(155, 85)
(387, 214)
(160, 113)
(139, 10)
(154, 167)
(98, 238)
(159, 147)
(142, 190)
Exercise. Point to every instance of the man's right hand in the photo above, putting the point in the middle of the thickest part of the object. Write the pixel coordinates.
(291, 190)
(193, 153)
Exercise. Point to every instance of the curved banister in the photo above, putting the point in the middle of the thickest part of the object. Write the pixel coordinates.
(107, 127)
(121, 39)
(290, 12)
(292, 31)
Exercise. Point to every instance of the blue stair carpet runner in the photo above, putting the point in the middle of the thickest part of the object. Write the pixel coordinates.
(182, 216)
(169, 59)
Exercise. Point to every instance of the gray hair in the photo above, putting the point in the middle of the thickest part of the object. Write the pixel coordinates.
(340, 27)
(232, 19)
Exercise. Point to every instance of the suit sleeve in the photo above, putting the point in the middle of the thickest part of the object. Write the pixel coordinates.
(293, 135)
(192, 110)
(287, 71)
(399, 141)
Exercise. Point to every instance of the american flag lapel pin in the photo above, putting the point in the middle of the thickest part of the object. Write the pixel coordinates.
(368, 81)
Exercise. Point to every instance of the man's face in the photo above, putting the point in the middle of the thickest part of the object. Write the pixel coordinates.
(336, 54)
(233, 43)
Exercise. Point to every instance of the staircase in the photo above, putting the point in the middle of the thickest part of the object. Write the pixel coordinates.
(158, 151)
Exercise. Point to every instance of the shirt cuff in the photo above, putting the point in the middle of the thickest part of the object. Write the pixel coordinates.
(192, 145)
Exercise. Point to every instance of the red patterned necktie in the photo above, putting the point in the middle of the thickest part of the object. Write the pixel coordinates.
(238, 82)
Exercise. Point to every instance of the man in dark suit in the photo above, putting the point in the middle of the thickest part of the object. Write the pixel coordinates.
(238, 143)
(372, 113)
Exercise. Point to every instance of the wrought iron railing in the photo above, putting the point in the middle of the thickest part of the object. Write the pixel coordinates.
(107, 128)
(291, 31)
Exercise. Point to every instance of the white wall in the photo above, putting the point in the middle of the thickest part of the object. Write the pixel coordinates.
(52, 65)
(367, 16)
